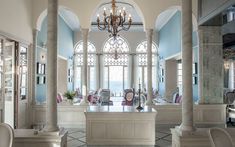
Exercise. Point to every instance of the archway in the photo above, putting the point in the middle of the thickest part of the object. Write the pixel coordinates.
(168, 26)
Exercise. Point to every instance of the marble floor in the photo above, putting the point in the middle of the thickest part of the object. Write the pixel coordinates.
(77, 138)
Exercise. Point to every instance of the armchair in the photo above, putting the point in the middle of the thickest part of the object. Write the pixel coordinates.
(219, 138)
(229, 100)
(6, 135)
(129, 95)
(104, 97)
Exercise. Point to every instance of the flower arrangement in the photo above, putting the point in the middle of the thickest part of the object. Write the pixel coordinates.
(70, 95)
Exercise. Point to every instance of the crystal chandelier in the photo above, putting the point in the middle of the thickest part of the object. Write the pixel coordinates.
(115, 21)
(116, 47)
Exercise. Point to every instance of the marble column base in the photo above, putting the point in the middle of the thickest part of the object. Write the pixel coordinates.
(33, 138)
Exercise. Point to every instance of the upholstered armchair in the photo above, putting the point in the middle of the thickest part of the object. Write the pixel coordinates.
(229, 100)
(104, 97)
(220, 138)
(6, 135)
(129, 95)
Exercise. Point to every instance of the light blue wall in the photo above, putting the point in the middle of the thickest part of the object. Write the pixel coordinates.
(65, 49)
(170, 37)
(170, 44)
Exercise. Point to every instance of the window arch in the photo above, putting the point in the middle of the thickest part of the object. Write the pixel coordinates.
(119, 43)
(116, 70)
(78, 62)
(141, 52)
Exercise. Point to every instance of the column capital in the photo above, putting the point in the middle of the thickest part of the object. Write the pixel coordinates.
(149, 32)
(85, 32)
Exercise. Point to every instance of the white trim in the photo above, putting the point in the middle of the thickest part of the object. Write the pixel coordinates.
(62, 57)
(175, 56)
(66, 21)
(14, 38)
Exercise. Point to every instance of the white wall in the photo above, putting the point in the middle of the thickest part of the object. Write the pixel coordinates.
(16, 19)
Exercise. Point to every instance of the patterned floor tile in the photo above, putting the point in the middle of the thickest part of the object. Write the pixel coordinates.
(77, 138)
(75, 143)
(83, 139)
(163, 143)
(77, 134)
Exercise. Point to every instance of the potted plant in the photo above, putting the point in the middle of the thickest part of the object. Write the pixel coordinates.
(70, 95)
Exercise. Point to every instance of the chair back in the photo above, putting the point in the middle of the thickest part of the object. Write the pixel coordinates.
(229, 97)
(220, 138)
(129, 96)
(6, 135)
(104, 95)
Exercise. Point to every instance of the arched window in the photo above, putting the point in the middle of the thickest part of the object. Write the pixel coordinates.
(116, 70)
(78, 62)
(141, 52)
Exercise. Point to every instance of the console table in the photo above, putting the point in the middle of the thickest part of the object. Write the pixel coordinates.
(123, 125)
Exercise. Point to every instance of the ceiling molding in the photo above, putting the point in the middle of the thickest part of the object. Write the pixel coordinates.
(65, 20)
(165, 21)
(69, 19)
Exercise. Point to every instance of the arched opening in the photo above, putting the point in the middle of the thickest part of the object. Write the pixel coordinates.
(141, 74)
(78, 63)
(168, 25)
(116, 70)
(67, 24)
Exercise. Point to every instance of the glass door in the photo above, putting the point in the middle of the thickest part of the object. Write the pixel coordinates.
(1, 80)
(9, 64)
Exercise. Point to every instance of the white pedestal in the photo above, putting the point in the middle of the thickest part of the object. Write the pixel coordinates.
(199, 138)
(120, 126)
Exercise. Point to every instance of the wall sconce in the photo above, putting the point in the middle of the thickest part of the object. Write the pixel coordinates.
(42, 57)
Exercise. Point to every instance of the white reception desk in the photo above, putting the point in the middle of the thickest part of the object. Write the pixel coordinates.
(124, 125)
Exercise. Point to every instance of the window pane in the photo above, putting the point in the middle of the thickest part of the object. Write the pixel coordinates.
(125, 77)
(145, 78)
(116, 80)
(106, 78)
(179, 74)
(23, 72)
(77, 78)
(92, 79)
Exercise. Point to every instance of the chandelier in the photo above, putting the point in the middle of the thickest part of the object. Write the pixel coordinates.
(115, 21)
(116, 48)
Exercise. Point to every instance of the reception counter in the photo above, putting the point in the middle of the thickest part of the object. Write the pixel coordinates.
(124, 125)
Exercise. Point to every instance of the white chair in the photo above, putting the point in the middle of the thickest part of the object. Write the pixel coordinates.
(6, 135)
(220, 138)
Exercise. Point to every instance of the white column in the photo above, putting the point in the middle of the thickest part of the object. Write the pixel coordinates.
(132, 70)
(51, 77)
(84, 72)
(33, 54)
(98, 71)
(187, 102)
(149, 34)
